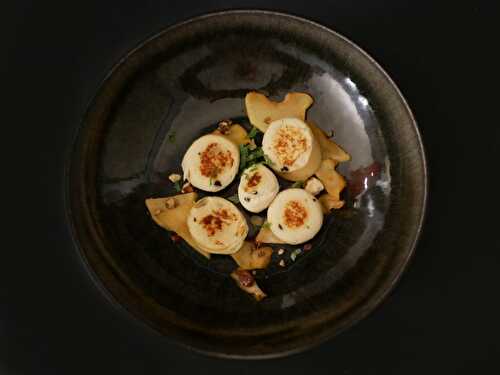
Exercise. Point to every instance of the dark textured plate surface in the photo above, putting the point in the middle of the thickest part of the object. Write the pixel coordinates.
(182, 82)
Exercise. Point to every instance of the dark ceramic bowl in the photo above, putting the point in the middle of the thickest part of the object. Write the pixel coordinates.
(176, 86)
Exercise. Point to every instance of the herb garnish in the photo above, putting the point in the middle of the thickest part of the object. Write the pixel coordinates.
(253, 133)
(252, 169)
(234, 198)
(250, 157)
(243, 156)
(171, 136)
(268, 161)
(254, 155)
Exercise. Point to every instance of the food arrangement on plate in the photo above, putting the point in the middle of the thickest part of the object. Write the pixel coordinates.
(291, 149)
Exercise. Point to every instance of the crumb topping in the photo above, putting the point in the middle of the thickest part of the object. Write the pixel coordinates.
(253, 181)
(215, 221)
(213, 160)
(295, 214)
(289, 144)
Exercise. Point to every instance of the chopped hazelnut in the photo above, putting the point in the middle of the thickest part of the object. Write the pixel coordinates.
(281, 251)
(174, 177)
(224, 126)
(170, 203)
(282, 263)
(313, 186)
(252, 146)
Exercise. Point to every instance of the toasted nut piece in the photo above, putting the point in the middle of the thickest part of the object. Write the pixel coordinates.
(252, 146)
(223, 126)
(170, 203)
(314, 186)
(174, 177)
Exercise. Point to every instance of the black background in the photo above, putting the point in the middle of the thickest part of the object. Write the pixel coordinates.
(444, 315)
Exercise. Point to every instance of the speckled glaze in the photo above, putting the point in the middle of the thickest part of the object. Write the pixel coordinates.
(182, 82)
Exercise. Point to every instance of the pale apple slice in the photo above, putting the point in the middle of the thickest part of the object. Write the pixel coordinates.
(235, 133)
(249, 257)
(171, 213)
(265, 235)
(329, 203)
(332, 180)
(334, 184)
(329, 149)
(261, 111)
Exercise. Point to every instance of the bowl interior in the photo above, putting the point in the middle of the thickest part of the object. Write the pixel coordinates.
(176, 87)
